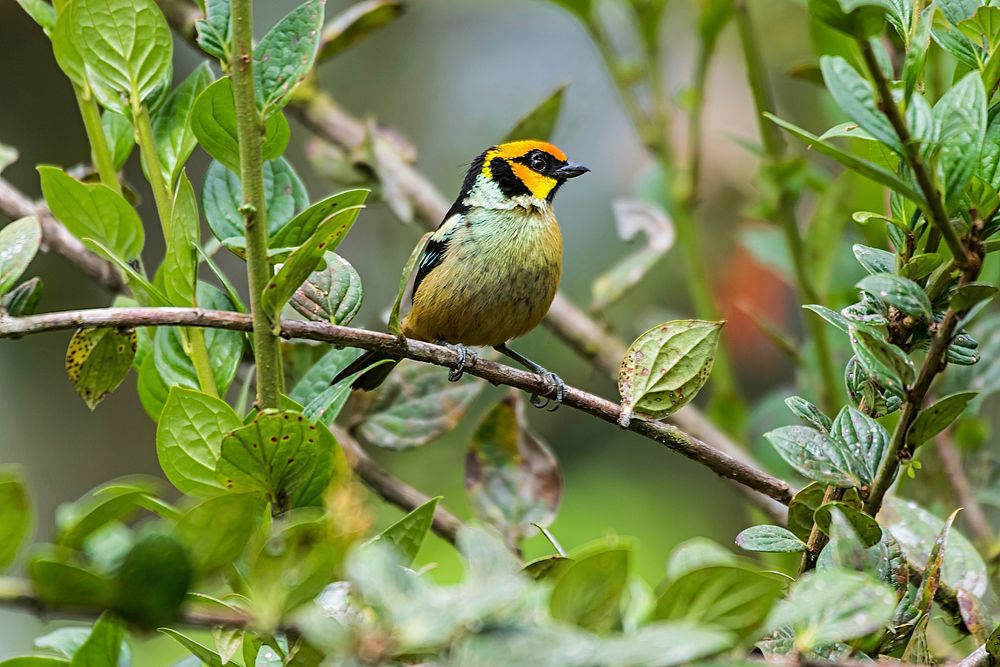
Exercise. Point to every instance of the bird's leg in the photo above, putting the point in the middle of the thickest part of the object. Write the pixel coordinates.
(466, 357)
(556, 384)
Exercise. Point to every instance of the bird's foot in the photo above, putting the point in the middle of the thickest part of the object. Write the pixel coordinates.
(466, 358)
(556, 387)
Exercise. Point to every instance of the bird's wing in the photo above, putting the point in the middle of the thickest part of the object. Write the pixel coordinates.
(434, 252)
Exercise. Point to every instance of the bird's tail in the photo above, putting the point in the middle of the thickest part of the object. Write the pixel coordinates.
(374, 377)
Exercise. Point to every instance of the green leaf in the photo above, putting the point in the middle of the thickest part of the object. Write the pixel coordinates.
(213, 30)
(661, 644)
(120, 135)
(213, 121)
(769, 539)
(302, 262)
(407, 535)
(733, 597)
(104, 644)
(285, 55)
(965, 297)
(961, 116)
(866, 528)
(808, 412)
(855, 96)
(281, 455)
(222, 196)
(225, 348)
(906, 295)
(41, 13)
(93, 211)
(415, 405)
(97, 361)
(110, 502)
(890, 365)
(325, 407)
(832, 606)
(814, 455)
(917, 530)
(801, 509)
(589, 591)
(189, 440)
(317, 378)
(395, 327)
(204, 654)
(862, 440)
(665, 367)
(15, 514)
(126, 46)
(153, 580)
(937, 417)
(35, 660)
(865, 168)
(61, 583)
(856, 18)
(19, 242)
(582, 9)
(512, 478)
(831, 316)
(172, 122)
(332, 294)
(227, 641)
(921, 266)
(303, 226)
(64, 49)
(697, 553)
(177, 276)
(354, 23)
(540, 122)
(210, 548)
(874, 260)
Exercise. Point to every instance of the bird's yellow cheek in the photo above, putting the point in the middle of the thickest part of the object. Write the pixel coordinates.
(539, 184)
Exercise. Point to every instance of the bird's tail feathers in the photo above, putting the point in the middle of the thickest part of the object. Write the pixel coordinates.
(374, 377)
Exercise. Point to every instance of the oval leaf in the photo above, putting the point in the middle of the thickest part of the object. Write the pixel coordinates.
(332, 294)
(906, 295)
(286, 54)
(769, 539)
(97, 361)
(19, 242)
(937, 417)
(666, 366)
(15, 515)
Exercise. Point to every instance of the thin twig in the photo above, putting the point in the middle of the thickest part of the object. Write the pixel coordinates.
(394, 490)
(976, 519)
(665, 434)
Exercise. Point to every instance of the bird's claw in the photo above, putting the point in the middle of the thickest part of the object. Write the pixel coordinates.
(466, 357)
(556, 386)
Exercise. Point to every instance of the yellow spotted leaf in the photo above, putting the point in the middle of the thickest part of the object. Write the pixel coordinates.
(97, 361)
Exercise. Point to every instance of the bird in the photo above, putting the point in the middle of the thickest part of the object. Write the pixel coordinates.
(490, 271)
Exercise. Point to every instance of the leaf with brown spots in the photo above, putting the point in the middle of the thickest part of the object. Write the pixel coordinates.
(666, 366)
(97, 360)
(416, 405)
(281, 455)
(512, 478)
(332, 294)
(304, 260)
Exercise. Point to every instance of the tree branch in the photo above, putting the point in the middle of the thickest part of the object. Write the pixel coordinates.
(665, 434)
(392, 489)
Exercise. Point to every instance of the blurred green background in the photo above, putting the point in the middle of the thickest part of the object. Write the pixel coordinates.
(452, 76)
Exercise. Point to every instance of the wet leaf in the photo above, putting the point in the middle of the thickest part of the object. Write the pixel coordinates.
(415, 405)
(280, 455)
(332, 294)
(917, 531)
(15, 514)
(883, 360)
(937, 417)
(862, 440)
(633, 217)
(97, 361)
(666, 366)
(354, 24)
(808, 412)
(769, 539)
(407, 535)
(801, 509)
(864, 526)
(512, 478)
(814, 455)
(733, 597)
(661, 644)
(832, 606)
(540, 122)
(965, 297)
(906, 295)
(19, 241)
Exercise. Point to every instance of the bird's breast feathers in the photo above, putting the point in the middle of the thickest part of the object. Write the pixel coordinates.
(487, 275)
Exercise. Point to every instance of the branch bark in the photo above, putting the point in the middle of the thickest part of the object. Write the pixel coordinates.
(666, 434)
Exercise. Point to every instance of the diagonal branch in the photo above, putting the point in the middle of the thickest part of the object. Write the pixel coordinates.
(666, 434)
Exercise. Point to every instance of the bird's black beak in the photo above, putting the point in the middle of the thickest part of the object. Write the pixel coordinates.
(570, 170)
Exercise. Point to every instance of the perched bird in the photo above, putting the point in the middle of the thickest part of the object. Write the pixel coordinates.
(490, 271)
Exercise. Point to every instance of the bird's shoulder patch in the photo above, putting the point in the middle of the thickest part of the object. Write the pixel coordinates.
(431, 257)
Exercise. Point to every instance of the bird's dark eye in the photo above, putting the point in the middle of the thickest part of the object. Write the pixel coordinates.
(539, 161)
